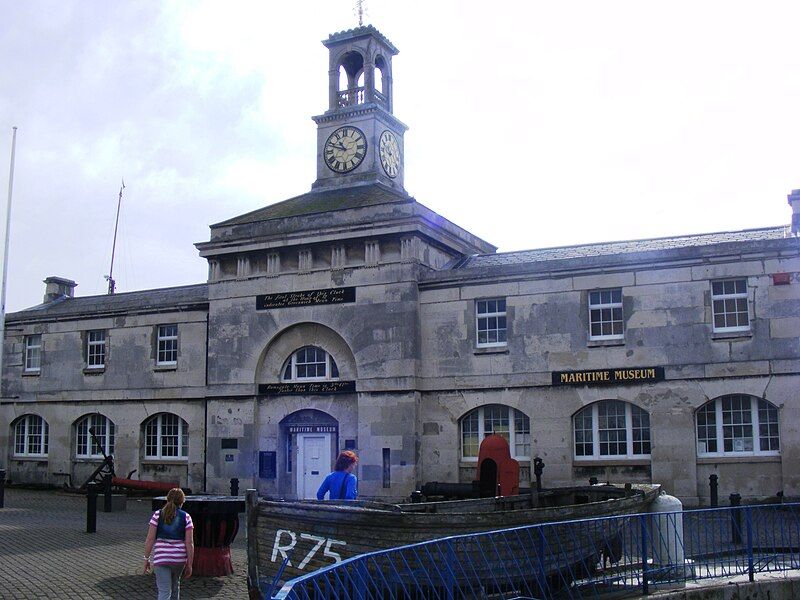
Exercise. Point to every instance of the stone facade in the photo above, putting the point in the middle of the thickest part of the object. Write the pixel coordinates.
(354, 317)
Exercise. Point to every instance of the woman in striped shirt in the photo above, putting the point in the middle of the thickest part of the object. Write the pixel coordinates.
(169, 546)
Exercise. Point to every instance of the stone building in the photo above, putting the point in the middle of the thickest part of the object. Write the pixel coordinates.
(352, 316)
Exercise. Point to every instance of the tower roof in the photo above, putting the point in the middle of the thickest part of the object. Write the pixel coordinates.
(359, 32)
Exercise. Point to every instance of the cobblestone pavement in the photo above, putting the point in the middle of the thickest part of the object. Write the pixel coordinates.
(45, 552)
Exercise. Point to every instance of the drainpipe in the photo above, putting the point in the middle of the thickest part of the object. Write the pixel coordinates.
(205, 419)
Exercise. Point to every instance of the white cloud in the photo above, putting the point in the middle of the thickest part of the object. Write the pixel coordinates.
(532, 123)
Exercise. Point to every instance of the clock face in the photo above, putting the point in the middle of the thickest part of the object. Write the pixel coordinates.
(344, 149)
(390, 154)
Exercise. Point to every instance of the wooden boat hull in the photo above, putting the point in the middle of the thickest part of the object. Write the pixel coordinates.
(302, 536)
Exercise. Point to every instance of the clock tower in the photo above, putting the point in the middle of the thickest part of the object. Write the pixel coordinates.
(359, 141)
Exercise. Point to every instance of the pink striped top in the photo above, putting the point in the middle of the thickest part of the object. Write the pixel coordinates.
(169, 552)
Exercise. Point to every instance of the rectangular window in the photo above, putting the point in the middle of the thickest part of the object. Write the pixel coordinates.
(33, 353)
(729, 304)
(605, 314)
(167, 345)
(96, 349)
(490, 317)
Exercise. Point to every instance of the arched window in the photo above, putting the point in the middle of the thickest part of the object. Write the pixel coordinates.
(31, 436)
(512, 424)
(103, 429)
(737, 424)
(380, 69)
(611, 429)
(166, 436)
(310, 363)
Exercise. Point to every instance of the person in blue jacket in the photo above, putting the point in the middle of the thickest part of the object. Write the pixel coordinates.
(341, 484)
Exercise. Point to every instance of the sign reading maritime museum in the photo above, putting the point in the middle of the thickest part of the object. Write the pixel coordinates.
(306, 298)
(609, 376)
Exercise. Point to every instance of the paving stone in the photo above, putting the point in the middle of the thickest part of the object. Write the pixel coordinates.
(46, 553)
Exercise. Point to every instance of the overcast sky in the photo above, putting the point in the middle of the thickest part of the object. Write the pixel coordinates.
(532, 123)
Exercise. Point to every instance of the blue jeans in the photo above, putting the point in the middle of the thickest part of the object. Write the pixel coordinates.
(168, 581)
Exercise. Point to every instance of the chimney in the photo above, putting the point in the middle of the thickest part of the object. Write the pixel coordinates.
(794, 202)
(58, 287)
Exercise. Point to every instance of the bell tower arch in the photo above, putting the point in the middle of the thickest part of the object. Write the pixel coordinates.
(359, 140)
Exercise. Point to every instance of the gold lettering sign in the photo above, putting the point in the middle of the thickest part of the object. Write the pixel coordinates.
(608, 376)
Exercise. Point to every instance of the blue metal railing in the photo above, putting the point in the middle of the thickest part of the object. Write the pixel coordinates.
(587, 558)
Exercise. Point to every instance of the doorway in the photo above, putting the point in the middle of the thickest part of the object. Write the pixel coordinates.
(314, 460)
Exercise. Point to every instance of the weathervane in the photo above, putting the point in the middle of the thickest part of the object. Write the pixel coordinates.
(359, 10)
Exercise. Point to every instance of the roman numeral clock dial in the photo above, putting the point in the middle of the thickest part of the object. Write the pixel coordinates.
(390, 154)
(344, 149)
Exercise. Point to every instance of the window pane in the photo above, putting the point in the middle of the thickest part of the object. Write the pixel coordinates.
(707, 428)
(737, 429)
(469, 435)
(640, 430)
(583, 432)
(768, 426)
(611, 428)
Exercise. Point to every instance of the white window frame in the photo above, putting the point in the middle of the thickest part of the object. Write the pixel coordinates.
(602, 305)
(165, 343)
(158, 426)
(487, 315)
(513, 433)
(33, 353)
(754, 424)
(725, 298)
(594, 412)
(31, 437)
(96, 349)
(84, 444)
(331, 369)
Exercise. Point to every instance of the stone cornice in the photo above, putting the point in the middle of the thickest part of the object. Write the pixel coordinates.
(359, 110)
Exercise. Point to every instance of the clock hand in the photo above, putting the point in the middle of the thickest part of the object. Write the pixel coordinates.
(339, 146)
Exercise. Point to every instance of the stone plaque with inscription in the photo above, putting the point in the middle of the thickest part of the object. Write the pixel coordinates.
(306, 298)
(307, 388)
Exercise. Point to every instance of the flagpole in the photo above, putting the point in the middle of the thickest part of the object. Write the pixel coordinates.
(5, 253)
(112, 285)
